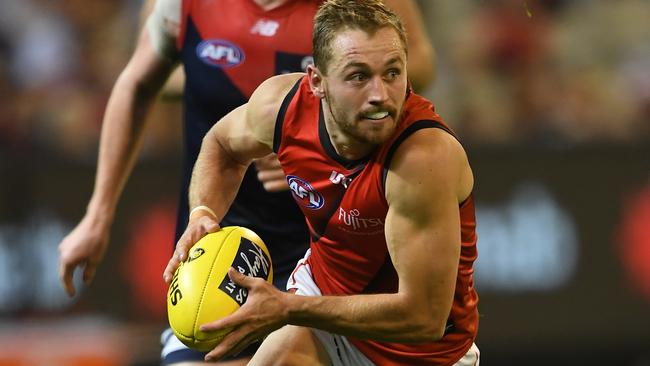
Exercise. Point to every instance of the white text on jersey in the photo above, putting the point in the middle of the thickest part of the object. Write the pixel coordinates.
(265, 27)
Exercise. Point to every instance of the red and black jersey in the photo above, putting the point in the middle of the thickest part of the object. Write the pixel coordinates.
(228, 48)
(345, 206)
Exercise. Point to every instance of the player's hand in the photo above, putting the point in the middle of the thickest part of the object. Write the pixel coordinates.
(196, 229)
(270, 173)
(84, 246)
(263, 312)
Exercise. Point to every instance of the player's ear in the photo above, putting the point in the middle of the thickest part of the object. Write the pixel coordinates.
(315, 81)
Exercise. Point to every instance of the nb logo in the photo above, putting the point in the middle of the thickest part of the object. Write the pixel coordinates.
(338, 178)
(219, 53)
(304, 193)
(266, 28)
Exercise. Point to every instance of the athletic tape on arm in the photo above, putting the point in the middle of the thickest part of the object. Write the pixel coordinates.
(163, 24)
(202, 208)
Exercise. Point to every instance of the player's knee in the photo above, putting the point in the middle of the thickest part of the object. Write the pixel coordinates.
(286, 359)
(237, 362)
(290, 346)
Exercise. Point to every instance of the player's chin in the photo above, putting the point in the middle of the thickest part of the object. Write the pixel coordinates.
(378, 132)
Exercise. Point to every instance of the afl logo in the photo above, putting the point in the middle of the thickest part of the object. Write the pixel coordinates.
(304, 193)
(219, 53)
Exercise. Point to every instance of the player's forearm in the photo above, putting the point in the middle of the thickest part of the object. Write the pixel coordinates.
(383, 317)
(216, 177)
(120, 143)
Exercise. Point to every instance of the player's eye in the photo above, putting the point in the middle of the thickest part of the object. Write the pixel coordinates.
(393, 74)
(358, 77)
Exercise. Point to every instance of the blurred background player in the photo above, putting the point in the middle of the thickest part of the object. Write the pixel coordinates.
(226, 48)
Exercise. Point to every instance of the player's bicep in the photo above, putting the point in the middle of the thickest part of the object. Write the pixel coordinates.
(423, 221)
(237, 136)
(425, 250)
(247, 132)
(265, 103)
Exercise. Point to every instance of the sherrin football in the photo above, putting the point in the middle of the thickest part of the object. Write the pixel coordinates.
(201, 291)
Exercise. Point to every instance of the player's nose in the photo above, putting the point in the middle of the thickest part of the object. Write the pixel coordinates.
(378, 91)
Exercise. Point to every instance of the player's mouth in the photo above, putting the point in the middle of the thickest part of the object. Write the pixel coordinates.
(376, 115)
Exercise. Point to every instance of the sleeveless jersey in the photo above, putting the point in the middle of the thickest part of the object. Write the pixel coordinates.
(345, 207)
(227, 48)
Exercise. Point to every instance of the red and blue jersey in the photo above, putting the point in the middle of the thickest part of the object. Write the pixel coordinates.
(345, 206)
(227, 48)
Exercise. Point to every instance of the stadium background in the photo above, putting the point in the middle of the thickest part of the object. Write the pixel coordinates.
(551, 99)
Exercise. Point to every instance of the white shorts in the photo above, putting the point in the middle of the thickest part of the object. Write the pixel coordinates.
(173, 351)
(339, 349)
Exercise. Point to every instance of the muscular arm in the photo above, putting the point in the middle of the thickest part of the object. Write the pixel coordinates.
(422, 58)
(226, 151)
(120, 141)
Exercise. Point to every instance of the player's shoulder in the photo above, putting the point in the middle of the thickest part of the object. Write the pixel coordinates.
(434, 142)
(430, 148)
(278, 85)
(268, 97)
(436, 158)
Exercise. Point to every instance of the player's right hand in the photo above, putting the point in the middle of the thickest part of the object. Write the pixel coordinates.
(196, 229)
(270, 173)
(84, 246)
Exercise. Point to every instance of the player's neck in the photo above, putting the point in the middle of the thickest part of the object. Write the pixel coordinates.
(267, 5)
(345, 145)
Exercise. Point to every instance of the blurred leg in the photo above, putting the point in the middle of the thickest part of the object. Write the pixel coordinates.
(175, 353)
(238, 362)
(288, 346)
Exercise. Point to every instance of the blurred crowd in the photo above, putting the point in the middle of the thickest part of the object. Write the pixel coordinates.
(58, 61)
(546, 72)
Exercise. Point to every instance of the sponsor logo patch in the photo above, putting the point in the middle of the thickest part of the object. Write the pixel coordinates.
(304, 193)
(338, 178)
(353, 222)
(219, 53)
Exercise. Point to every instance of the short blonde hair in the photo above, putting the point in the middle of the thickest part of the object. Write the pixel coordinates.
(335, 15)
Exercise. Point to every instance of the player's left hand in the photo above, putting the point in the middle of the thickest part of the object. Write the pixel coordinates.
(270, 173)
(263, 312)
(196, 229)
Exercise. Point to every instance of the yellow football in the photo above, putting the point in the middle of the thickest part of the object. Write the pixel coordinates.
(201, 291)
